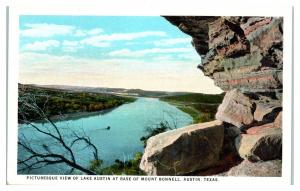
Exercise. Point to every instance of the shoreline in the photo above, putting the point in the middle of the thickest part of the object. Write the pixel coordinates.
(187, 107)
(76, 115)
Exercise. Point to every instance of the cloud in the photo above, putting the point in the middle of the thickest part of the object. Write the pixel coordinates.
(46, 30)
(96, 43)
(38, 68)
(79, 33)
(70, 46)
(91, 32)
(94, 31)
(70, 43)
(103, 40)
(140, 53)
(170, 42)
(40, 58)
(69, 49)
(41, 45)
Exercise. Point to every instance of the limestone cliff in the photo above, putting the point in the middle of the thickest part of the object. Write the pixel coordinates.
(238, 52)
(243, 55)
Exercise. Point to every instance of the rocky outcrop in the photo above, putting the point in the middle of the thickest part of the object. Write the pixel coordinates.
(243, 55)
(238, 52)
(197, 27)
(270, 168)
(260, 143)
(183, 150)
(242, 109)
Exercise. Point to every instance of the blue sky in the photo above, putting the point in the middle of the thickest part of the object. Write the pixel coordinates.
(109, 51)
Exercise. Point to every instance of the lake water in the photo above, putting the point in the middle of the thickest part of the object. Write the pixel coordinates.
(127, 125)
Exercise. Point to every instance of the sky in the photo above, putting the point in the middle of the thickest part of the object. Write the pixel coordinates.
(109, 51)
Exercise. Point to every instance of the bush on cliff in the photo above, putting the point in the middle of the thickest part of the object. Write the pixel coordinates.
(152, 131)
(130, 167)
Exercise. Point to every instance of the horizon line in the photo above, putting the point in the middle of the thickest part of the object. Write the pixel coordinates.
(120, 88)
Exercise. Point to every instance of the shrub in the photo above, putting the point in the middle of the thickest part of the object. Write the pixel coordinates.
(152, 131)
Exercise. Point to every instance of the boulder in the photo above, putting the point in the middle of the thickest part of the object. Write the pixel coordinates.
(260, 143)
(260, 169)
(236, 109)
(184, 150)
(228, 155)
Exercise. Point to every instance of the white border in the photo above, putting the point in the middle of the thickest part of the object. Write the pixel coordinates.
(137, 7)
(3, 87)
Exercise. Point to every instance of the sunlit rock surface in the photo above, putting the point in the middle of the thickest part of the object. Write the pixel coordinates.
(236, 109)
(270, 168)
(183, 150)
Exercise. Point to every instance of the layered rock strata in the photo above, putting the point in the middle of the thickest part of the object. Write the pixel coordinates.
(238, 52)
(243, 55)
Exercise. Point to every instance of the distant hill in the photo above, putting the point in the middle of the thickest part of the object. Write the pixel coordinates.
(116, 91)
(69, 99)
(61, 101)
(196, 98)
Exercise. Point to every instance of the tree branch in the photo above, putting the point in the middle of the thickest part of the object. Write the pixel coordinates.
(37, 158)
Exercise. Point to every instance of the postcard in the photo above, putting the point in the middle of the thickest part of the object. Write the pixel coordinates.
(188, 95)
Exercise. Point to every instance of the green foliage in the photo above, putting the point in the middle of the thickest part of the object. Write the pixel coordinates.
(154, 130)
(201, 107)
(57, 102)
(191, 111)
(95, 164)
(130, 167)
(196, 98)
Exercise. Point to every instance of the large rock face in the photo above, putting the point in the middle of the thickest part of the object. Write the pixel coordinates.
(183, 150)
(243, 55)
(238, 52)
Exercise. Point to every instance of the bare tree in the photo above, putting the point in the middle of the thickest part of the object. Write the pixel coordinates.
(38, 158)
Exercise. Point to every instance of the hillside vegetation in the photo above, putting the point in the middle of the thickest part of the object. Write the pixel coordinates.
(57, 102)
(202, 107)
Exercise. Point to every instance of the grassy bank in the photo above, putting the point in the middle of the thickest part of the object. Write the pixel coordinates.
(202, 107)
(56, 102)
